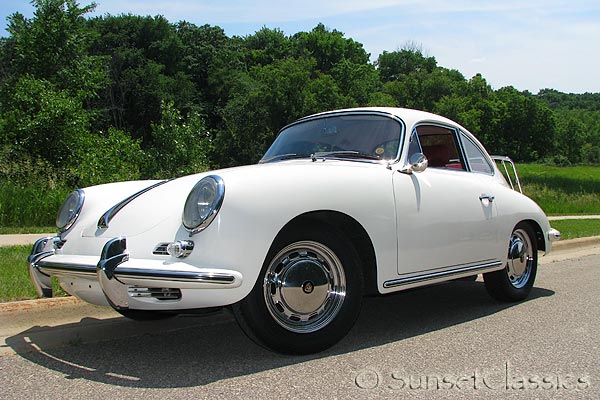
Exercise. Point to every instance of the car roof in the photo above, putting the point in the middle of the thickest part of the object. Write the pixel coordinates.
(408, 115)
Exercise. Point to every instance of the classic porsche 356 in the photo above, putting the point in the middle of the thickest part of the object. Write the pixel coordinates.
(343, 204)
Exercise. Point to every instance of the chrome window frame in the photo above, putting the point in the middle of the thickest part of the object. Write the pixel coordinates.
(456, 135)
(483, 152)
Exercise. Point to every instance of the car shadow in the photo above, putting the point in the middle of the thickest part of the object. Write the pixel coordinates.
(203, 353)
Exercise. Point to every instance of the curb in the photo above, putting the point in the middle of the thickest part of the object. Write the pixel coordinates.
(591, 241)
(38, 304)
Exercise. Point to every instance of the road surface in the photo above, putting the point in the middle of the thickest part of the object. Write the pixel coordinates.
(446, 341)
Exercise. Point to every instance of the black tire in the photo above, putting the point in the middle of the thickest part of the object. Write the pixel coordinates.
(308, 293)
(145, 315)
(515, 281)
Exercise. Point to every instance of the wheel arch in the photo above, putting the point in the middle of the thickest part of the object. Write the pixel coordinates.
(539, 233)
(353, 230)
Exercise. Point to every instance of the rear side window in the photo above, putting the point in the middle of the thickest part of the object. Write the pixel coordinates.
(477, 160)
(439, 144)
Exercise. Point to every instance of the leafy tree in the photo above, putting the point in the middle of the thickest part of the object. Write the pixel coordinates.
(180, 146)
(394, 65)
(50, 81)
(109, 157)
(53, 46)
(44, 121)
(328, 48)
(266, 46)
(147, 67)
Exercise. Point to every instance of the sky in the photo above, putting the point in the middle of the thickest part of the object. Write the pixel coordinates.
(528, 44)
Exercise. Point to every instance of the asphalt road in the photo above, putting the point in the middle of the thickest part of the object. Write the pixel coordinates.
(447, 341)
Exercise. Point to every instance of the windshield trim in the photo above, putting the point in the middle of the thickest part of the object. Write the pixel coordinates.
(351, 113)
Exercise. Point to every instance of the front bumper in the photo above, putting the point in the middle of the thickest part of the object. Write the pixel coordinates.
(116, 279)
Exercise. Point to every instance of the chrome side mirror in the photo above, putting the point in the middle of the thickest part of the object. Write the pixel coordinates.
(416, 163)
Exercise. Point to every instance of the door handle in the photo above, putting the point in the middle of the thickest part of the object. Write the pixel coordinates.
(487, 197)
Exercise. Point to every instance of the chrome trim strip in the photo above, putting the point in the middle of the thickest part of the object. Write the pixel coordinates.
(109, 215)
(178, 276)
(72, 268)
(440, 274)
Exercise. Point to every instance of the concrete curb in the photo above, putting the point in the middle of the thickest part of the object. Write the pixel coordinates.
(591, 241)
(40, 304)
(37, 304)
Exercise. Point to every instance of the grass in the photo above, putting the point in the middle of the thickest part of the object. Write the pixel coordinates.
(15, 283)
(14, 230)
(562, 190)
(576, 228)
(29, 205)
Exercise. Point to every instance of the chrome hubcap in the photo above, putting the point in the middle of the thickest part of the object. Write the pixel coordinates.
(520, 259)
(304, 287)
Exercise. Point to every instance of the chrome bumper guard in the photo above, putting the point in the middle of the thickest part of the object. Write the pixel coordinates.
(109, 271)
(42, 248)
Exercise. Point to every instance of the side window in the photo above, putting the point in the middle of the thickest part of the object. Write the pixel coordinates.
(477, 160)
(413, 146)
(439, 144)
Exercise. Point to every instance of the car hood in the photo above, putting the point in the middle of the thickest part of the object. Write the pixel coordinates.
(163, 205)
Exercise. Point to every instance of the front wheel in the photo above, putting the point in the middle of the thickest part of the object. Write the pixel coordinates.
(514, 282)
(308, 294)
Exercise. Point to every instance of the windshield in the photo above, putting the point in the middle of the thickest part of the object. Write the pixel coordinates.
(372, 137)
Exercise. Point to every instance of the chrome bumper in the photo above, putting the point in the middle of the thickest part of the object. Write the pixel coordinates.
(115, 275)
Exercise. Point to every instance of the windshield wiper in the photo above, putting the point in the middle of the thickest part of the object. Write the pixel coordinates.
(279, 157)
(343, 154)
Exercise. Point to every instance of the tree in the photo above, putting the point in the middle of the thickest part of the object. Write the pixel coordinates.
(51, 80)
(53, 46)
(328, 48)
(394, 65)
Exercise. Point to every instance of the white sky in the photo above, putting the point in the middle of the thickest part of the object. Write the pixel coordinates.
(530, 45)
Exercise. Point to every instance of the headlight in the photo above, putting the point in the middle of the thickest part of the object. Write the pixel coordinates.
(203, 203)
(69, 211)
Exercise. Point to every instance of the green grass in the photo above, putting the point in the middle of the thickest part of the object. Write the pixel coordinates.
(15, 283)
(32, 204)
(576, 228)
(562, 190)
(13, 230)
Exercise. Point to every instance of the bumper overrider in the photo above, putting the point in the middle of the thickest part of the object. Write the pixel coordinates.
(122, 282)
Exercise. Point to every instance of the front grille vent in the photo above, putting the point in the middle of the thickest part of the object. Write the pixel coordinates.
(155, 293)
(161, 249)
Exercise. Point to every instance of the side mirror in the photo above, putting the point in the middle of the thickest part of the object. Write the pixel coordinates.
(416, 163)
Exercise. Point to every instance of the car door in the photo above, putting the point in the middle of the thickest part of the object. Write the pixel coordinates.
(444, 214)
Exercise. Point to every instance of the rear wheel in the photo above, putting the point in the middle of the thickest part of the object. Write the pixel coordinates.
(514, 282)
(308, 294)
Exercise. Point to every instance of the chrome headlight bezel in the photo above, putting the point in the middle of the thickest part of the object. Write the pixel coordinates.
(69, 210)
(199, 212)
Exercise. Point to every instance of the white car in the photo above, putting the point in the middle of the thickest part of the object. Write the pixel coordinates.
(343, 204)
